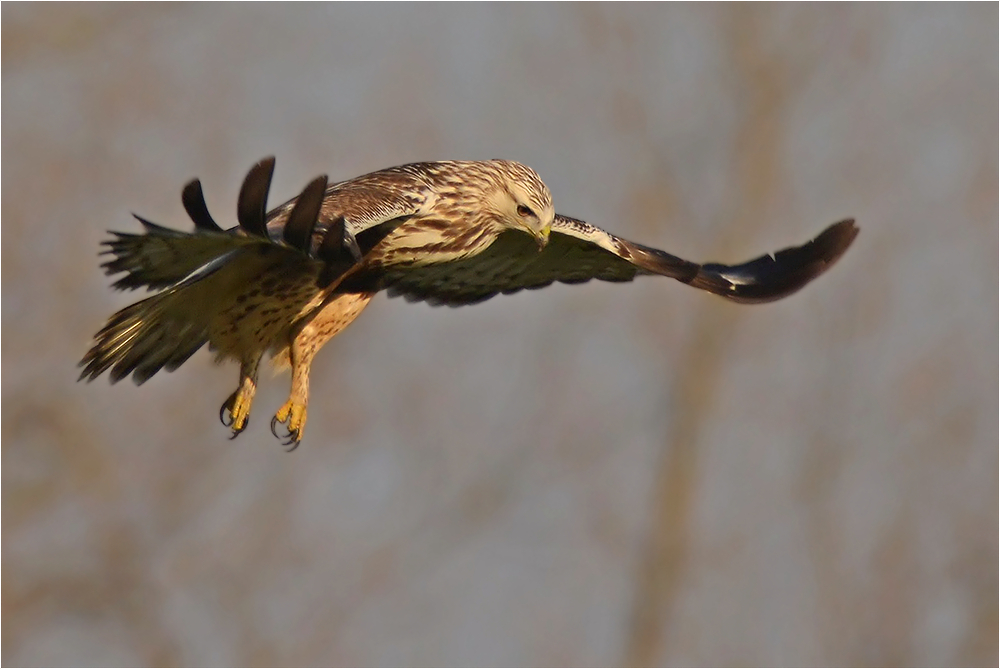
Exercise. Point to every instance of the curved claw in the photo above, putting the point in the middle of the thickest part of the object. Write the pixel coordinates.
(292, 439)
(226, 411)
(228, 419)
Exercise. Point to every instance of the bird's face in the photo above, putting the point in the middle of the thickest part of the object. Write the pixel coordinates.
(533, 213)
(523, 202)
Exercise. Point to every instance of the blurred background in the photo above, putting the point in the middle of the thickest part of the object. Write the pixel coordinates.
(585, 475)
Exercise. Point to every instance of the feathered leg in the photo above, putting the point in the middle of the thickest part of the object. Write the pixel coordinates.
(306, 341)
(292, 413)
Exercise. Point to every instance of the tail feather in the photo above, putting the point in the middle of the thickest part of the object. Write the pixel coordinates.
(145, 337)
(165, 329)
(201, 275)
(158, 353)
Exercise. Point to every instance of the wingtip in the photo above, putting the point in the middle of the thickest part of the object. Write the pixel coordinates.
(251, 205)
(193, 199)
(302, 220)
(145, 222)
(777, 275)
(847, 226)
(836, 239)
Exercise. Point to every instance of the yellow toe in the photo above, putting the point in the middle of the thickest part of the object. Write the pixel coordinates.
(241, 412)
(293, 416)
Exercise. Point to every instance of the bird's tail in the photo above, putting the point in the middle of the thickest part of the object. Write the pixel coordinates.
(166, 329)
(159, 332)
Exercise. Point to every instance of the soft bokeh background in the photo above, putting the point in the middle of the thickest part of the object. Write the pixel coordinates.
(597, 474)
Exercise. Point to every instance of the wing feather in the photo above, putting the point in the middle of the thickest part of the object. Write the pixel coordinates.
(578, 252)
(361, 212)
(363, 203)
(304, 215)
(251, 206)
(357, 215)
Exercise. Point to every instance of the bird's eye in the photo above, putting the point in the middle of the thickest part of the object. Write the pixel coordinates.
(524, 211)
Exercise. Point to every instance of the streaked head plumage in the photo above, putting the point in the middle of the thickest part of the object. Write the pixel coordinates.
(521, 200)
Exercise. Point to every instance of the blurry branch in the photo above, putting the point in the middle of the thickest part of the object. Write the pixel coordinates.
(662, 563)
(761, 83)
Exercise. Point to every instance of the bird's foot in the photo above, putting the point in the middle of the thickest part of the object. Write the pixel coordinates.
(293, 416)
(235, 412)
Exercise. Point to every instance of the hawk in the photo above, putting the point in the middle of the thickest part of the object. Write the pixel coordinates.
(455, 232)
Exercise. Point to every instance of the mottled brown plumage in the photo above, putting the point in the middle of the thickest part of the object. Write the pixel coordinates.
(453, 233)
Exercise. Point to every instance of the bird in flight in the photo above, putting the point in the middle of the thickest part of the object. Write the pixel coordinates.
(285, 282)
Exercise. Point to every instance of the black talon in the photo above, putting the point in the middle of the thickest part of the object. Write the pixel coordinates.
(238, 432)
(290, 439)
(227, 407)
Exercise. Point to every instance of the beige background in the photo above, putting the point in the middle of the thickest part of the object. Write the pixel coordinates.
(597, 474)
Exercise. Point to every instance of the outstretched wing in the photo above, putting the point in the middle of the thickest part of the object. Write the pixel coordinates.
(578, 252)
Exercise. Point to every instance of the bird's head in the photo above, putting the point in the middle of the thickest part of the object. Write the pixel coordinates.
(521, 201)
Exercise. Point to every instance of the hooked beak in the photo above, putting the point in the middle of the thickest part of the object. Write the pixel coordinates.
(542, 236)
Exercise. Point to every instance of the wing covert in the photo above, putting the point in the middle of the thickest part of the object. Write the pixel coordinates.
(358, 208)
(576, 252)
